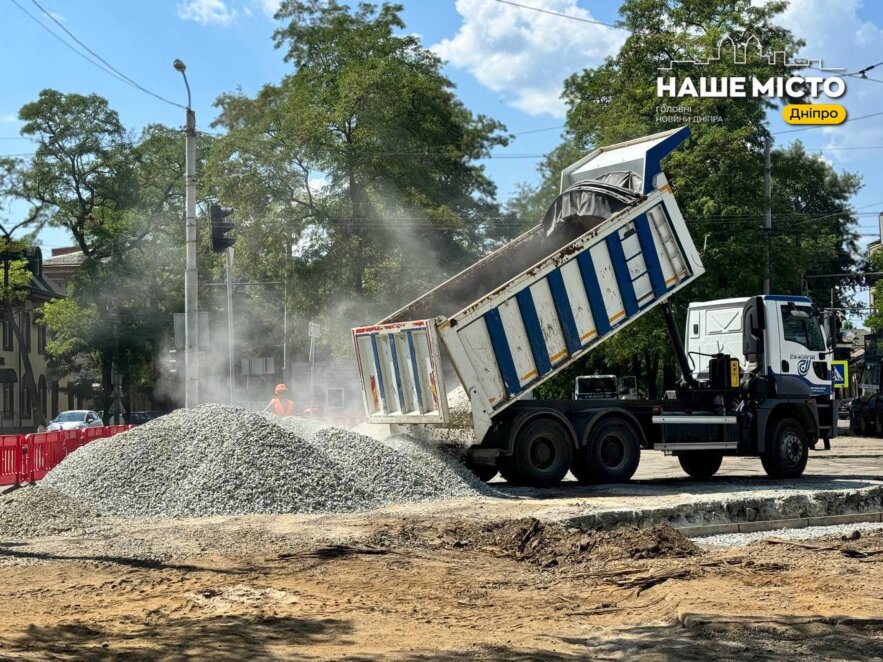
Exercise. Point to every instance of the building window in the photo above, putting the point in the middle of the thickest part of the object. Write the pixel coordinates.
(25, 402)
(26, 331)
(7, 335)
(41, 339)
(8, 400)
(43, 394)
(333, 398)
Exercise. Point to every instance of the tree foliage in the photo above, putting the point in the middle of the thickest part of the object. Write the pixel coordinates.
(717, 175)
(354, 178)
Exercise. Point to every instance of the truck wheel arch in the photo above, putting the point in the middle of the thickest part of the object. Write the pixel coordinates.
(605, 414)
(533, 415)
(797, 410)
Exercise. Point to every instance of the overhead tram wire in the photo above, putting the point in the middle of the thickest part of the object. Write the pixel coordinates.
(119, 73)
(101, 63)
(561, 15)
(70, 46)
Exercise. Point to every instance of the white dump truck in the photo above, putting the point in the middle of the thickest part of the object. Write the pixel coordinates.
(612, 247)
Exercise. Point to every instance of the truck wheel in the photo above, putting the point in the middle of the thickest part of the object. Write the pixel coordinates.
(541, 456)
(857, 421)
(787, 451)
(611, 454)
(701, 464)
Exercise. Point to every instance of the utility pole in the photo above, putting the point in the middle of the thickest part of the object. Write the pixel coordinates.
(230, 316)
(191, 278)
(767, 213)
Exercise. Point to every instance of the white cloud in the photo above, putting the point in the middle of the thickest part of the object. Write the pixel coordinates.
(9, 118)
(526, 55)
(206, 12)
(836, 33)
(270, 7)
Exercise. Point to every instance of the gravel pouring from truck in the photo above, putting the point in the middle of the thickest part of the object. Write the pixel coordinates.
(612, 247)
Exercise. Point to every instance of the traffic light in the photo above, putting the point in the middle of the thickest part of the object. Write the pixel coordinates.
(220, 228)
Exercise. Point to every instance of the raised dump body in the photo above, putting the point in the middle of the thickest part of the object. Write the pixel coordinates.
(611, 247)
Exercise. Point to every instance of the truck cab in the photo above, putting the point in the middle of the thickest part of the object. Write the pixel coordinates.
(774, 336)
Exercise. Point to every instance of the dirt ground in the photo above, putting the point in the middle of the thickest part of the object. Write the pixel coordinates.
(436, 583)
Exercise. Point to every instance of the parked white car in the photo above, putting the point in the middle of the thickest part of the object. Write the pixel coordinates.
(75, 419)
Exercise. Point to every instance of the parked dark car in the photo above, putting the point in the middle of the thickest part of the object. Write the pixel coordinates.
(141, 417)
(844, 410)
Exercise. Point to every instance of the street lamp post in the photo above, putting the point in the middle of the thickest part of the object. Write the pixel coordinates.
(191, 279)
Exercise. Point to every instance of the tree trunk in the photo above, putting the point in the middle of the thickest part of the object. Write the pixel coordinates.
(637, 372)
(651, 365)
(106, 383)
(669, 377)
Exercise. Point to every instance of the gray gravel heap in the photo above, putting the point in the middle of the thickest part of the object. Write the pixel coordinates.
(212, 460)
(304, 428)
(220, 460)
(448, 470)
(393, 473)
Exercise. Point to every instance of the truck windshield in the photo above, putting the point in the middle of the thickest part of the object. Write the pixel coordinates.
(588, 385)
(802, 330)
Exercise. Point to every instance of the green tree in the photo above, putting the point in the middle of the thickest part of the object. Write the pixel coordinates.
(123, 203)
(80, 176)
(717, 175)
(367, 113)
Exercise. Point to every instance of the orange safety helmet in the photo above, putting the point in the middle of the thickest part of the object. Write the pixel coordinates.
(281, 388)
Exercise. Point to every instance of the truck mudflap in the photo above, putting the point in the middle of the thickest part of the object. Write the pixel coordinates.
(400, 370)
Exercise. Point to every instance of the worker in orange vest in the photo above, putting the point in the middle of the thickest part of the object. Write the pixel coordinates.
(281, 405)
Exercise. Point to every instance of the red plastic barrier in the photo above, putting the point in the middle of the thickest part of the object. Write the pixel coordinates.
(45, 450)
(11, 468)
(30, 457)
(91, 434)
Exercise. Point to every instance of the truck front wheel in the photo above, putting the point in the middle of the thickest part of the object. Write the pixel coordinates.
(610, 455)
(541, 455)
(701, 464)
(786, 451)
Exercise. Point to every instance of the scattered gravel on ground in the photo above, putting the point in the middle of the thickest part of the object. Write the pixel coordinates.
(806, 533)
(33, 512)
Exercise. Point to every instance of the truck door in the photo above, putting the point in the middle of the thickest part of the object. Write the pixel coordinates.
(801, 367)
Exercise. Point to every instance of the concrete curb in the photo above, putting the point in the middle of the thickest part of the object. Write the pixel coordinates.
(772, 525)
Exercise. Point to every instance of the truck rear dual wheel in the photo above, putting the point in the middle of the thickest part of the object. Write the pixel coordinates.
(541, 455)
(787, 450)
(611, 454)
(701, 464)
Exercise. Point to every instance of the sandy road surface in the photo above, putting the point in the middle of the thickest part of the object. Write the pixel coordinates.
(475, 579)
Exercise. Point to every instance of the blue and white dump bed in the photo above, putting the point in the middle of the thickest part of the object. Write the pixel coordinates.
(502, 339)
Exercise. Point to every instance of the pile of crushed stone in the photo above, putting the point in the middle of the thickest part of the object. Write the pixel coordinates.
(221, 460)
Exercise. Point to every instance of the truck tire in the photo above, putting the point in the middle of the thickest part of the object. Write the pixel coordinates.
(786, 451)
(541, 454)
(701, 464)
(611, 454)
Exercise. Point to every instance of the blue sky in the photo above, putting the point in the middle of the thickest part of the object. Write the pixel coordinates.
(506, 62)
